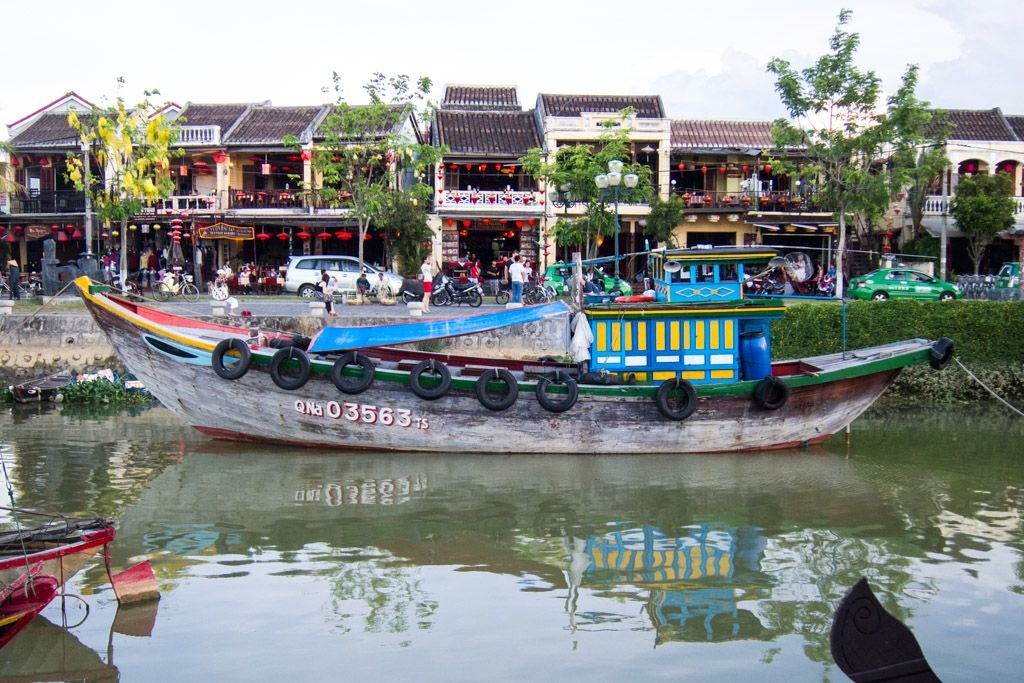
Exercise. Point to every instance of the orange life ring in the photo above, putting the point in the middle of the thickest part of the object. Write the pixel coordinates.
(635, 299)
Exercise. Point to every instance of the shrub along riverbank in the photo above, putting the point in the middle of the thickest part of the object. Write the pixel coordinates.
(989, 338)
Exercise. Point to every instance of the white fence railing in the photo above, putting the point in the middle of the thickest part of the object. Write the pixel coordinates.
(199, 135)
(936, 205)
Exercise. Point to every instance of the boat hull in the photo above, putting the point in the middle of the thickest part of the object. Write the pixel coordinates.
(389, 416)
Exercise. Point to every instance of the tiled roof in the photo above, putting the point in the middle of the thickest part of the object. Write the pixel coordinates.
(986, 124)
(646, 106)
(696, 134)
(480, 98)
(487, 133)
(49, 130)
(1017, 125)
(222, 115)
(397, 120)
(268, 125)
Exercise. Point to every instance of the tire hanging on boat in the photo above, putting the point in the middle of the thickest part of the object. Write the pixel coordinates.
(550, 403)
(502, 401)
(941, 353)
(771, 393)
(434, 367)
(233, 370)
(689, 399)
(286, 382)
(352, 385)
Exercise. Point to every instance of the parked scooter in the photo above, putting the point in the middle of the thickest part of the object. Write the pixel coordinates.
(451, 292)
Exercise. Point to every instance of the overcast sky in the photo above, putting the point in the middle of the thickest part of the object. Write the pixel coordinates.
(706, 60)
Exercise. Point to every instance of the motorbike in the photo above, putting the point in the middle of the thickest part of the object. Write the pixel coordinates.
(769, 283)
(450, 292)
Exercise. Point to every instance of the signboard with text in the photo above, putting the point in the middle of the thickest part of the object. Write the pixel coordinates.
(224, 231)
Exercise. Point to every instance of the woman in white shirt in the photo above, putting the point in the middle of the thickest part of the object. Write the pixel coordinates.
(426, 272)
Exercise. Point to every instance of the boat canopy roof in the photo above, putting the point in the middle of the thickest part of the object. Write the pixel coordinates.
(746, 254)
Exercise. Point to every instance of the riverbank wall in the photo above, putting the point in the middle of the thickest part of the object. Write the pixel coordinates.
(33, 346)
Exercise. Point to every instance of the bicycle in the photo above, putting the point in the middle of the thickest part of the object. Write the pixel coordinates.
(176, 283)
(493, 288)
(539, 294)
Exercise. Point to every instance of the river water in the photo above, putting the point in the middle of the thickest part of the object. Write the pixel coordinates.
(282, 564)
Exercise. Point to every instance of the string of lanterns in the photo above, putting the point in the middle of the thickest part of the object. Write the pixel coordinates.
(765, 168)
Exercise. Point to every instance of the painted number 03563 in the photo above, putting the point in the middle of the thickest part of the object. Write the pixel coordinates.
(365, 413)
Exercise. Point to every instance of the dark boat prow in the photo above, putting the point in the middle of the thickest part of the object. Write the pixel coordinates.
(869, 644)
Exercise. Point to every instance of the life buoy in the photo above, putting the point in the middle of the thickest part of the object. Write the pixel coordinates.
(289, 383)
(941, 353)
(549, 402)
(689, 399)
(635, 299)
(232, 370)
(352, 385)
(434, 367)
(771, 393)
(502, 401)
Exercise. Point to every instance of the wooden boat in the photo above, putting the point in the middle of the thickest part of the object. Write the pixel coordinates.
(43, 389)
(35, 563)
(689, 372)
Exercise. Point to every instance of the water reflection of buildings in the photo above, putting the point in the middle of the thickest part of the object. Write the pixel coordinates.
(695, 582)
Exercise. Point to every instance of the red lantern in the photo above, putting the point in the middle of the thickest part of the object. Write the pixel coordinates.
(303, 235)
(307, 154)
(721, 169)
(9, 237)
(77, 234)
(466, 222)
(262, 237)
(19, 229)
(343, 235)
(282, 235)
(15, 163)
(487, 220)
(367, 237)
(745, 167)
(703, 169)
(483, 167)
(324, 236)
(220, 156)
(529, 222)
(62, 236)
(519, 224)
(469, 167)
(44, 161)
(497, 167)
(55, 228)
(451, 222)
(454, 167)
(767, 168)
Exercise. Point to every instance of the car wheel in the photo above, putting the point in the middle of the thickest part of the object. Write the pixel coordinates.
(879, 296)
(307, 291)
(947, 296)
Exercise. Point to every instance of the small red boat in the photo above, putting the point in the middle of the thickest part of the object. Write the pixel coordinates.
(36, 562)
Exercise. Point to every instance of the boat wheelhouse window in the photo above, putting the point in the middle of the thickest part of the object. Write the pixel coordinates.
(729, 272)
(706, 272)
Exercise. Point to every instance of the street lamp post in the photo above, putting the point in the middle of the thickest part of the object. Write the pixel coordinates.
(564, 198)
(613, 178)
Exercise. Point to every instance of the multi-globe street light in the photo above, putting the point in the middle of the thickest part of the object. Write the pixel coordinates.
(613, 178)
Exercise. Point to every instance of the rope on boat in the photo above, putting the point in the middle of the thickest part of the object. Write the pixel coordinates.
(986, 388)
(52, 299)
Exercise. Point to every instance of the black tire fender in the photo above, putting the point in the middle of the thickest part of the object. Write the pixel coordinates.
(771, 393)
(551, 403)
(234, 370)
(289, 383)
(434, 367)
(689, 399)
(352, 385)
(503, 401)
(941, 353)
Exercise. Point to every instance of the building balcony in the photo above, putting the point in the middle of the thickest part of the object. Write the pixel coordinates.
(938, 205)
(54, 202)
(468, 201)
(198, 136)
(777, 202)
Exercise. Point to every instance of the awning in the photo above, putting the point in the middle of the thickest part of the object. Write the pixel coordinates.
(766, 226)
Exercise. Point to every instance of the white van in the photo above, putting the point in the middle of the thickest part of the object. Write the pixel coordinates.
(303, 274)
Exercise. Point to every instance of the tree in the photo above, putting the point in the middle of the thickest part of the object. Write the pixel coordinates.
(982, 208)
(853, 150)
(132, 150)
(573, 171)
(409, 234)
(929, 166)
(664, 217)
(365, 148)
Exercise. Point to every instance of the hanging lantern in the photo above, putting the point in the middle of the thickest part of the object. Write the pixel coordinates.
(282, 235)
(115, 233)
(264, 169)
(44, 161)
(453, 167)
(721, 169)
(324, 235)
(451, 222)
(77, 234)
(767, 168)
(307, 154)
(681, 167)
(745, 167)
(703, 169)
(183, 170)
(62, 236)
(487, 220)
(9, 237)
(466, 222)
(529, 222)
(220, 156)
(187, 235)
(497, 167)
(262, 237)
(19, 229)
(14, 162)
(469, 167)
(303, 235)
(343, 235)
(519, 224)
(54, 228)
(483, 167)
(367, 237)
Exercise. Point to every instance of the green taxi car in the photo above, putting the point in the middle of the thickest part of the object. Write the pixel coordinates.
(1008, 276)
(558, 274)
(901, 283)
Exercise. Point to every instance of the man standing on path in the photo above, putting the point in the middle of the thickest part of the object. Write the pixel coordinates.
(517, 276)
(14, 278)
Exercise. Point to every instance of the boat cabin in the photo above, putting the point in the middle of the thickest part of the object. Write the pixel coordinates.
(700, 328)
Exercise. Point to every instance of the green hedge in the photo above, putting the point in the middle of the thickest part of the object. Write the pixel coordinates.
(984, 331)
(989, 338)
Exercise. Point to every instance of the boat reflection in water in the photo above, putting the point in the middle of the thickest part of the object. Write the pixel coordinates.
(483, 567)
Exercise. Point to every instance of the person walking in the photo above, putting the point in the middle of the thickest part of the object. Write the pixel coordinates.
(427, 273)
(517, 276)
(326, 287)
(14, 278)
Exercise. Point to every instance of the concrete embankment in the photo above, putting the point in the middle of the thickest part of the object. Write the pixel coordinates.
(36, 345)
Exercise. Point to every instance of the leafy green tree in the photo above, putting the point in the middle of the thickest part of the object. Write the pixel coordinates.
(408, 233)
(574, 169)
(853, 151)
(132, 149)
(366, 148)
(664, 217)
(982, 208)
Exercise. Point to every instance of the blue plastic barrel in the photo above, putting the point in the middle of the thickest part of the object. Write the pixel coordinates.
(755, 358)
